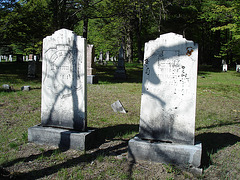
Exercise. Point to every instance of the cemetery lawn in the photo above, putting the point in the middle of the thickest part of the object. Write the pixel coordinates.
(217, 127)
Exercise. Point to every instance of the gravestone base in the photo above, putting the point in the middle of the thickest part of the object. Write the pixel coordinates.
(92, 79)
(185, 156)
(120, 74)
(63, 138)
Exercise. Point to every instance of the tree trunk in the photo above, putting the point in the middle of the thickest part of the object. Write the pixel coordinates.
(129, 45)
(139, 42)
(85, 27)
(85, 18)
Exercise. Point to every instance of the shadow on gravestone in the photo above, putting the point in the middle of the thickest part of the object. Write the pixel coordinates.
(63, 106)
(168, 104)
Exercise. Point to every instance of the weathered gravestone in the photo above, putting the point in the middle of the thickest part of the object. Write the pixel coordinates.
(91, 71)
(168, 103)
(120, 72)
(64, 98)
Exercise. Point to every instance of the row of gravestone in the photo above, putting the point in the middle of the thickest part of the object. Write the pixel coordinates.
(168, 102)
(225, 67)
(19, 58)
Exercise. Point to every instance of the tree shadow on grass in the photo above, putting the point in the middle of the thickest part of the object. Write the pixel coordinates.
(212, 142)
(108, 133)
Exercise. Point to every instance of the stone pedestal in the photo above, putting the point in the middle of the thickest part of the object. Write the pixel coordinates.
(62, 138)
(185, 156)
(92, 79)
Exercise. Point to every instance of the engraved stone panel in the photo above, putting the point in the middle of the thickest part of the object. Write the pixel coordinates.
(64, 81)
(168, 100)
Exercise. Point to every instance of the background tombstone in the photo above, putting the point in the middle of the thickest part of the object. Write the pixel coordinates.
(100, 58)
(31, 67)
(10, 58)
(120, 73)
(64, 93)
(168, 103)
(107, 56)
(91, 71)
(238, 67)
(225, 68)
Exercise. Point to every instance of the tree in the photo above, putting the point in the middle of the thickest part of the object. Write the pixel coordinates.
(26, 25)
(223, 20)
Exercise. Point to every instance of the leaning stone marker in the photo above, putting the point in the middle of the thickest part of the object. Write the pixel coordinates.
(168, 103)
(63, 104)
(118, 107)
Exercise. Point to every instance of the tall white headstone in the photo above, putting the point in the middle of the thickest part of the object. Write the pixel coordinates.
(64, 98)
(169, 89)
(64, 81)
(168, 102)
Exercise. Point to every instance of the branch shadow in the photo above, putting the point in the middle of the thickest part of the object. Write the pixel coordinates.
(160, 109)
(108, 133)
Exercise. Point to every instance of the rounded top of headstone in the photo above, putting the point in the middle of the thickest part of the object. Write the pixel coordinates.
(61, 36)
(169, 41)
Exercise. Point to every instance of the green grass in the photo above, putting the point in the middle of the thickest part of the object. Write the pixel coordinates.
(217, 127)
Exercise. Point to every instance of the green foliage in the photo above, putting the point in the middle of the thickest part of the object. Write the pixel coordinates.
(107, 24)
(224, 17)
